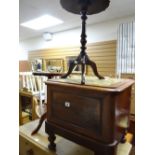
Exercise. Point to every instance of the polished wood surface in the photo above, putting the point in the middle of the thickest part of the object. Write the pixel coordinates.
(95, 6)
(80, 106)
(48, 74)
(131, 76)
(88, 115)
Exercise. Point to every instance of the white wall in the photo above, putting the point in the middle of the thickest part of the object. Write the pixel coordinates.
(23, 53)
(95, 33)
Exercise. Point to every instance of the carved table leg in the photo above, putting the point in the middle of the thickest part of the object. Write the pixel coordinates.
(71, 67)
(82, 74)
(94, 68)
(51, 138)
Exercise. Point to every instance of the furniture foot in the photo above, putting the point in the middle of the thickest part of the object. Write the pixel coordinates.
(123, 139)
(94, 68)
(83, 73)
(51, 138)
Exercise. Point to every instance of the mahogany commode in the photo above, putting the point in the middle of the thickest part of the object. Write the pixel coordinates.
(89, 115)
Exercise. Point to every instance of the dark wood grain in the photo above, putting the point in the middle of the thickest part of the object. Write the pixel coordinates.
(93, 115)
(95, 6)
(85, 7)
(48, 74)
(79, 111)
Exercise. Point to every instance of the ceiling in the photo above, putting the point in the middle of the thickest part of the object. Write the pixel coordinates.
(30, 9)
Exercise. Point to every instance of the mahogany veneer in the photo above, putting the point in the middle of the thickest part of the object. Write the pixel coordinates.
(88, 115)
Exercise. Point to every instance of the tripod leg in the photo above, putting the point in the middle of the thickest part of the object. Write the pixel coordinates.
(94, 68)
(82, 74)
(42, 118)
(71, 67)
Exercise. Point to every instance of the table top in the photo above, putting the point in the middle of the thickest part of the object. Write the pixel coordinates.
(92, 82)
(94, 6)
(48, 74)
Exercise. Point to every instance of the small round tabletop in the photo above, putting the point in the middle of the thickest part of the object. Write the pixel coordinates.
(94, 6)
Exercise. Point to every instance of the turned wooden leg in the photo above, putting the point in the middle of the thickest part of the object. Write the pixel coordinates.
(123, 139)
(83, 74)
(51, 138)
